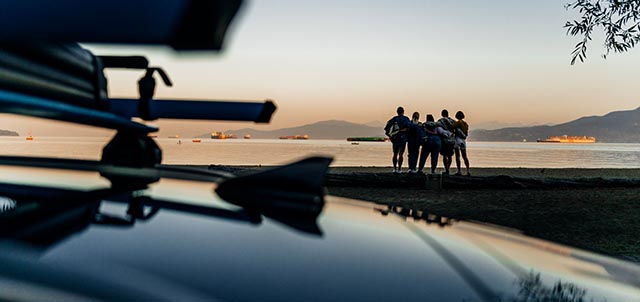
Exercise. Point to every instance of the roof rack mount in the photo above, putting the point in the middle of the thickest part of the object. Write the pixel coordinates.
(34, 92)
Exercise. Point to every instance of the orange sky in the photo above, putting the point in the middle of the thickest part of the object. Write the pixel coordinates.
(505, 61)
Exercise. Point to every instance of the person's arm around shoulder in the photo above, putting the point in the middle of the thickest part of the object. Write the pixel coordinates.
(442, 131)
(387, 127)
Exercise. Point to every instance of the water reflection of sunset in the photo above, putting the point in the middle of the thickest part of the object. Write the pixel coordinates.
(60, 178)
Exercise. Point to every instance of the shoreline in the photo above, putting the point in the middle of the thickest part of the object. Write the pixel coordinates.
(516, 172)
(481, 171)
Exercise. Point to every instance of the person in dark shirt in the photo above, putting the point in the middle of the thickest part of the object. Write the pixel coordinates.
(414, 136)
(396, 130)
(432, 144)
(447, 142)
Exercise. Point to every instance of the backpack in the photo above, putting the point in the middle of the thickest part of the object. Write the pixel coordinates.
(394, 128)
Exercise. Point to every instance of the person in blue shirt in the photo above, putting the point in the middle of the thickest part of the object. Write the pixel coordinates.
(396, 130)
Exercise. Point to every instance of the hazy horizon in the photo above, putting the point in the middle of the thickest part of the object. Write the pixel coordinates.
(189, 129)
(499, 62)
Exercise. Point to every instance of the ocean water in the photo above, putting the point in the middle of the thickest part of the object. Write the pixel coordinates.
(275, 152)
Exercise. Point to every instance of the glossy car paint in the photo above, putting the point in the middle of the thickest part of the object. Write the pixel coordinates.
(365, 252)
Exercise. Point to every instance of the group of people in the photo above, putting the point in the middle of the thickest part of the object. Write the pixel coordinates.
(445, 137)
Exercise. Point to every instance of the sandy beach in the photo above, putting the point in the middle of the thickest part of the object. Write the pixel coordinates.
(601, 219)
(516, 172)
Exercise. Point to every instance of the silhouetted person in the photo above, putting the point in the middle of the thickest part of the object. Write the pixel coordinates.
(414, 137)
(432, 144)
(461, 131)
(448, 142)
(396, 130)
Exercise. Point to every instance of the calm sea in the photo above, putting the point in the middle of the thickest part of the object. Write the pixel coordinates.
(274, 152)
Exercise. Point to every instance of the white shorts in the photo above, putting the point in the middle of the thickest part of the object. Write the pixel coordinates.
(461, 144)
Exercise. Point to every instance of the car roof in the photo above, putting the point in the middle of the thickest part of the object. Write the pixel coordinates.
(362, 252)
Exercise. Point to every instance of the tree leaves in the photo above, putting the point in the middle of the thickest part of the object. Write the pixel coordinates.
(620, 20)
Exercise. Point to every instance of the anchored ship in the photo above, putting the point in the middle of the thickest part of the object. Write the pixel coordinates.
(222, 135)
(295, 137)
(568, 139)
(218, 135)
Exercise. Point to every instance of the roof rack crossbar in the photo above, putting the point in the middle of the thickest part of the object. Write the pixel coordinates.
(18, 103)
(258, 112)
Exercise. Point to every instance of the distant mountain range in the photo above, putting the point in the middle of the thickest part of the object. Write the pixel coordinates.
(378, 124)
(614, 127)
(8, 133)
(332, 129)
(492, 125)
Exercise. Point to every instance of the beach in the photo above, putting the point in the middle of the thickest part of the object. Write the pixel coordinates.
(521, 172)
(601, 218)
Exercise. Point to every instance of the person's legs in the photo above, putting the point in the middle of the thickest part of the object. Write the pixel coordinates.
(447, 163)
(416, 156)
(434, 157)
(457, 152)
(424, 153)
(434, 161)
(466, 159)
(394, 160)
(400, 156)
(413, 154)
(447, 153)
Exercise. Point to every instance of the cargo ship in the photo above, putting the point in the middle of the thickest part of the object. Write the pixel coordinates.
(295, 137)
(218, 135)
(568, 139)
(222, 135)
(367, 139)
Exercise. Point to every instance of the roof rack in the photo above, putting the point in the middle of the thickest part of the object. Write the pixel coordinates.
(45, 73)
(66, 82)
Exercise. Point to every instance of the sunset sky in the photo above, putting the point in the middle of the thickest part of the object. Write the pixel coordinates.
(504, 61)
